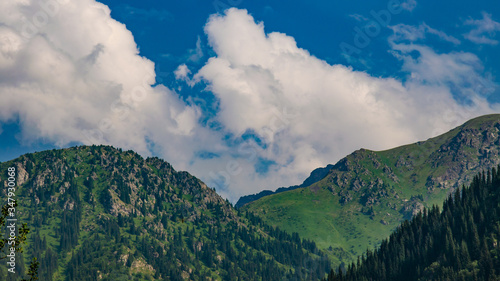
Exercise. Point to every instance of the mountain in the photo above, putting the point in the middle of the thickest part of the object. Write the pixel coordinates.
(315, 176)
(459, 243)
(99, 213)
(367, 194)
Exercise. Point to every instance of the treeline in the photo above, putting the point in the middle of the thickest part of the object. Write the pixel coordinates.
(458, 243)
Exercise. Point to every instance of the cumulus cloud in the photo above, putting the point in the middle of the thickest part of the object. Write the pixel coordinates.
(484, 30)
(69, 73)
(309, 113)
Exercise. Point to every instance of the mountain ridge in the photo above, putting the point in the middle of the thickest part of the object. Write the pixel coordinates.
(100, 213)
(316, 175)
(367, 194)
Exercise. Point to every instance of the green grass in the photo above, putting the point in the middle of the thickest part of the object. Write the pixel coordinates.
(315, 212)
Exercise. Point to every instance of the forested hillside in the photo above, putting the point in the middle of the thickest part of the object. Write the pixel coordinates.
(458, 243)
(98, 213)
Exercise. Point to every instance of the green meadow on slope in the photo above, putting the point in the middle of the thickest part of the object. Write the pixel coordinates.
(367, 194)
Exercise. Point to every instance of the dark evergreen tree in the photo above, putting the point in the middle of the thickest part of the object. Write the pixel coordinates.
(457, 243)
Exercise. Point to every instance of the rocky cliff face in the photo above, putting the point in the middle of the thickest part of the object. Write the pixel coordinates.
(476, 147)
(445, 162)
(119, 173)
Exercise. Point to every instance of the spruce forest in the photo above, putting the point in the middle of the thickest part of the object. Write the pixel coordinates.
(99, 213)
(240, 140)
(458, 243)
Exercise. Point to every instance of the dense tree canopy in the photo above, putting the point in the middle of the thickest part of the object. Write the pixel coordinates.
(458, 243)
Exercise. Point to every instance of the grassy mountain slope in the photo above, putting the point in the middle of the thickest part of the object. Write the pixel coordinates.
(459, 243)
(367, 194)
(314, 177)
(98, 213)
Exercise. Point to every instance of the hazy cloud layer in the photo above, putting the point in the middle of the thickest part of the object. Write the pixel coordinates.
(484, 30)
(415, 33)
(409, 5)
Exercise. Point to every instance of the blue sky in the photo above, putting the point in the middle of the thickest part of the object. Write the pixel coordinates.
(250, 98)
(166, 30)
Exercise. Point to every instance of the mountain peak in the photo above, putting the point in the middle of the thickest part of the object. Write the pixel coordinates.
(375, 190)
(102, 213)
(482, 120)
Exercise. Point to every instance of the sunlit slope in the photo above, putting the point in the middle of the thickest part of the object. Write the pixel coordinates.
(368, 193)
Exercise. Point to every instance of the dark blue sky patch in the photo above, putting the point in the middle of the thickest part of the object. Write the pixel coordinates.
(167, 32)
(262, 166)
(11, 147)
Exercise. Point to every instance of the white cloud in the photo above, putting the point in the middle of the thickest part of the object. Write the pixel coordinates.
(484, 30)
(196, 54)
(182, 72)
(430, 67)
(415, 33)
(409, 5)
(70, 73)
(331, 110)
